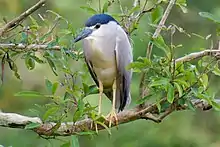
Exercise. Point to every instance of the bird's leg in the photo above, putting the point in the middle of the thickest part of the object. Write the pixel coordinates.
(99, 105)
(113, 113)
(100, 96)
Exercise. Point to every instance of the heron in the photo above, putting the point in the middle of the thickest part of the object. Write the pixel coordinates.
(108, 51)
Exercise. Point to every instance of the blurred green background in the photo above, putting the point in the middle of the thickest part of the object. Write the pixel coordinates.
(181, 129)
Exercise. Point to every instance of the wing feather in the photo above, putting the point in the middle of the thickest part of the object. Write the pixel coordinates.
(123, 53)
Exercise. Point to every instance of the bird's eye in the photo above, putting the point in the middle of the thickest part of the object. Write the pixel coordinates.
(97, 26)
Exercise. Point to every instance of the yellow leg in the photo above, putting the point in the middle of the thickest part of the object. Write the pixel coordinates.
(113, 113)
(100, 96)
(100, 104)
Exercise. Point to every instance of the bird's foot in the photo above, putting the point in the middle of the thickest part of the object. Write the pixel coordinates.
(112, 117)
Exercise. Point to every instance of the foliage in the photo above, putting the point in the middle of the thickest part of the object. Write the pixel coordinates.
(178, 82)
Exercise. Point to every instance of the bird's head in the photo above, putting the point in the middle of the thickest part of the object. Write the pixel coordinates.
(99, 25)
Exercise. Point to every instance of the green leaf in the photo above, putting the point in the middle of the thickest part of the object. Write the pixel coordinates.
(204, 80)
(158, 105)
(24, 38)
(216, 70)
(17, 75)
(190, 105)
(181, 101)
(85, 89)
(183, 8)
(215, 105)
(87, 133)
(159, 82)
(179, 88)
(32, 126)
(34, 23)
(210, 16)
(67, 144)
(156, 14)
(49, 85)
(105, 7)
(52, 65)
(89, 9)
(30, 63)
(145, 60)
(134, 9)
(38, 60)
(13, 67)
(54, 87)
(50, 112)
(136, 66)
(144, 99)
(67, 95)
(79, 112)
(170, 93)
(182, 82)
(93, 89)
(74, 141)
(29, 94)
(77, 115)
(160, 43)
(182, 4)
(53, 43)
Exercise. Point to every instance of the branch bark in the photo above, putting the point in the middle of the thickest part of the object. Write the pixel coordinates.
(196, 55)
(12, 120)
(16, 21)
(20, 46)
(186, 58)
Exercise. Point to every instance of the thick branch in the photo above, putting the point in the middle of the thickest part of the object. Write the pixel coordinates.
(197, 55)
(16, 21)
(13, 46)
(12, 120)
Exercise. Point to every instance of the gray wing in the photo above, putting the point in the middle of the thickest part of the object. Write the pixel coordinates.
(123, 52)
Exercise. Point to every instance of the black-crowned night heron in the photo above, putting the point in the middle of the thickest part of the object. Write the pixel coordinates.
(108, 51)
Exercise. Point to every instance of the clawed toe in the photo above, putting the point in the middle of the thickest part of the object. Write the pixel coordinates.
(112, 117)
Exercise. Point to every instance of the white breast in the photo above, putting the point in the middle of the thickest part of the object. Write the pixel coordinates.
(103, 61)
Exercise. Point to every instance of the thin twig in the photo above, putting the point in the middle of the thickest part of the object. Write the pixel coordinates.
(136, 3)
(160, 26)
(16, 21)
(142, 12)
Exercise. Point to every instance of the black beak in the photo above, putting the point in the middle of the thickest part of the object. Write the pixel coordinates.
(85, 33)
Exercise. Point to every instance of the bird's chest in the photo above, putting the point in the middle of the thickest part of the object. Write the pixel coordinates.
(102, 57)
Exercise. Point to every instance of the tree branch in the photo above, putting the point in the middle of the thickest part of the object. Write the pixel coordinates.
(16, 21)
(12, 120)
(20, 46)
(196, 55)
